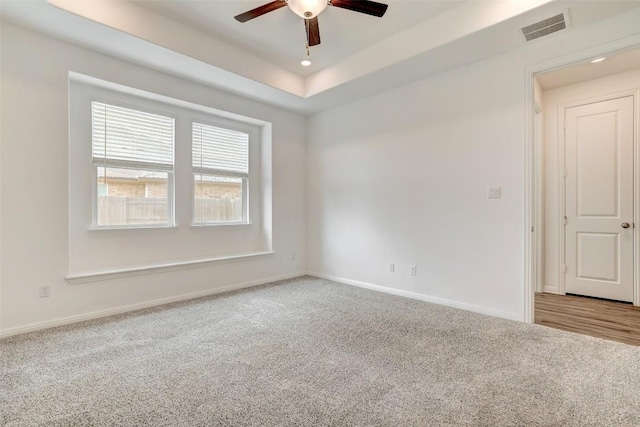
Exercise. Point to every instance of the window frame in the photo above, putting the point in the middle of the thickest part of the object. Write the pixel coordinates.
(253, 168)
(94, 205)
(245, 203)
(117, 164)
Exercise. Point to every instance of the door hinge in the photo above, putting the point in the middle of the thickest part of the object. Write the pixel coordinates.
(565, 220)
(565, 268)
(566, 173)
(532, 228)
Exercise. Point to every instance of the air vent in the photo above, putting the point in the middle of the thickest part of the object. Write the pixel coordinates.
(546, 27)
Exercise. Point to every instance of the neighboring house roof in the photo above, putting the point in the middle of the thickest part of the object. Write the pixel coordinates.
(131, 174)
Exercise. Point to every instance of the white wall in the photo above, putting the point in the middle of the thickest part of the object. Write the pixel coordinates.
(34, 176)
(553, 100)
(402, 177)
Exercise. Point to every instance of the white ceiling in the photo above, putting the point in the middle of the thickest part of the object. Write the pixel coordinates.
(585, 71)
(279, 36)
(359, 56)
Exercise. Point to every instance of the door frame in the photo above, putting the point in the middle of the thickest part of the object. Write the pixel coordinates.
(561, 186)
(533, 206)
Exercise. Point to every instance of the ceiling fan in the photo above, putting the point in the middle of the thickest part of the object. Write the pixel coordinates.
(310, 9)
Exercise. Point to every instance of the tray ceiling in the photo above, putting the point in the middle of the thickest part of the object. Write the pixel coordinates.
(359, 56)
(279, 36)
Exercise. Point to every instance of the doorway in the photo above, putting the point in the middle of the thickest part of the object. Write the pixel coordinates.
(584, 177)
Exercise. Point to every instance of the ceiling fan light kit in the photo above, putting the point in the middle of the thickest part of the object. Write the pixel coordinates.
(310, 9)
(307, 9)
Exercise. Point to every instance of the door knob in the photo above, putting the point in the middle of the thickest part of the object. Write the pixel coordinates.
(625, 225)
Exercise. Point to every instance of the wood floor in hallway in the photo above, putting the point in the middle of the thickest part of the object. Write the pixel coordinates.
(611, 320)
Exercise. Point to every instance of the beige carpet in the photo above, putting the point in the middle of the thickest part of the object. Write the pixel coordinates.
(310, 352)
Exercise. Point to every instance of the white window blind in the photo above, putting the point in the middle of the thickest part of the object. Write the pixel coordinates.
(220, 151)
(130, 137)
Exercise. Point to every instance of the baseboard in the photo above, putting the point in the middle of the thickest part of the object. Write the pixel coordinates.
(423, 297)
(133, 307)
(162, 301)
(550, 290)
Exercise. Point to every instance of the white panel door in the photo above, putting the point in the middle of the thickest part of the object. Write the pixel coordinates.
(599, 199)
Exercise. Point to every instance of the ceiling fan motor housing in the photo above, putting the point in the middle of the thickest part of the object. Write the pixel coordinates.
(307, 9)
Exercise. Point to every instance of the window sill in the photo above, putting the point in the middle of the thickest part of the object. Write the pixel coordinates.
(220, 224)
(133, 227)
(97, 276)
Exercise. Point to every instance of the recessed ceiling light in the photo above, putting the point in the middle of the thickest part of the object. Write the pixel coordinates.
(305, 62)
(595, 61)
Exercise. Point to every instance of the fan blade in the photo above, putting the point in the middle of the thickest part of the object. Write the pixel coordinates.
(313, 31)
(362, 6)
(258, 11)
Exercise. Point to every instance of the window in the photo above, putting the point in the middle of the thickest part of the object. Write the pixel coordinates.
(158, 183)
(220, 164)
(132, 152)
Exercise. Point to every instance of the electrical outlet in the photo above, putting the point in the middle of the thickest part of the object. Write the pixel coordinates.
(392, 268)
(413, 270)
(45, 291)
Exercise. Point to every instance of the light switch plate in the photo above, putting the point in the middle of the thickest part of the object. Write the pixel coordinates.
(495, 192)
